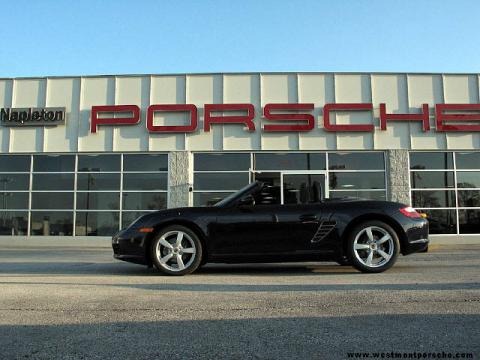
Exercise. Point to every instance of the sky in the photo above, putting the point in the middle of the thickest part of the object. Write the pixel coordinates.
(93, 37)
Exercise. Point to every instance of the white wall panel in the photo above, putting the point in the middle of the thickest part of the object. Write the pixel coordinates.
(461, 89)
(353, 89)
(6, 87)
(63, 92)
(281, 88)
(27, 93)
(391, 90)
(242, 89)
(201, 90)
(168, 90)
(95, 91)
(132, 91)
(319, 90)
(425, 89)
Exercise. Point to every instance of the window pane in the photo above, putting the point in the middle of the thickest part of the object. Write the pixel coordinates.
(221, 162)
(220, 181)
(53, 181)
(431, 160)
(372, 195)
(468, 179)
(468, 160)
(469, 221)
(145, 162)
(99, 163)
(9, 200)
(357, 180)
(441, 221)
(91, 223)
(51, 223)
(208, 199)
(145, 181)
(296, 161)
(469, 198)
(13, 163)
(98, 200)
(144, 201)
(14, 182)
(13, 223)
(432, 179)
(52, 200)
(52, 163)
(356, 161)
(129, 216)
(433, 198)
(94, 181)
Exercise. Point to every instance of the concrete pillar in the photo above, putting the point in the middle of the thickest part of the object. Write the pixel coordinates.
(178, 178)
(397, 176)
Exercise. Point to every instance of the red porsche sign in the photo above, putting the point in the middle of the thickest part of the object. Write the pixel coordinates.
(286, 117)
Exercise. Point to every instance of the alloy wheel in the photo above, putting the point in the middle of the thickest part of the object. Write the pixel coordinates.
(175, 251)
(373, 246)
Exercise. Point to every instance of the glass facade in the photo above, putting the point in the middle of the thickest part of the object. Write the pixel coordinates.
(355, 174)
(446, 186)
(83, 195)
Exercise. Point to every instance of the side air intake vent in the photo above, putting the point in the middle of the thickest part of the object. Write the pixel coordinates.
(325, 228)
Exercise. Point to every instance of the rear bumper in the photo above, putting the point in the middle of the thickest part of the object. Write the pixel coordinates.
(417, 237)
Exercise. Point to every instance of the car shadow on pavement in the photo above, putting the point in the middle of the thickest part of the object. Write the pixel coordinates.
(332, 337)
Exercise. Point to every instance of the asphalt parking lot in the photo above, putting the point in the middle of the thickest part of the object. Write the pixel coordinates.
(79, 303)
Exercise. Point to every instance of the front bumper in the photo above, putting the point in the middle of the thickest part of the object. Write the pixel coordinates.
(129, 245)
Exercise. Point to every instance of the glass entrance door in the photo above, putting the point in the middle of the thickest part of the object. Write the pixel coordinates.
(303, 187)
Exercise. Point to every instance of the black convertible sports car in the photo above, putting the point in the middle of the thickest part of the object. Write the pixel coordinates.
(244, 227)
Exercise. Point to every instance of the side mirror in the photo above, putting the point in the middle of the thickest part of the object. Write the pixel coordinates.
(247, 201)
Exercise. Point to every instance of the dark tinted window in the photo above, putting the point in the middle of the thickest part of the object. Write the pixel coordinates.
(93, 223)
(356, 161)
(469, 221)
(361, 194)
(97, 163)
(52, 200)
(222, 162)
(470, 179)
(129, 216)
(145, 181)
(14, 163)
(432, 179)
(13, 223)
(469, 198)
(357, 180)
(98, 200)
(220, 181)
(52, 223)
(98, 181)
(145, 162)
(295, 161)
(468, 160)
(431, 160)
(13, 200)
(433, 198)
(14, 182)
(53, 181)
(208, 199)
(144, 201)
(53, 163)
(441, 221)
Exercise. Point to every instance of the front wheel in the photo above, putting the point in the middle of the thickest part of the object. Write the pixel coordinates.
(176, 250)
(373, 246)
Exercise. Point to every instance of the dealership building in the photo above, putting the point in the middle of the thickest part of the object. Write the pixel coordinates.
(84, 156)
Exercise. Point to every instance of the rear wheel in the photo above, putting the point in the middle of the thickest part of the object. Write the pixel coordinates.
(176, 250)
(373, 246)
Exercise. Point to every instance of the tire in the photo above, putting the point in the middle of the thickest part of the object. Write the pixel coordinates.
(373, 246)
(168, 250)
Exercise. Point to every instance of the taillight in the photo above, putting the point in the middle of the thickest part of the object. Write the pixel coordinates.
(410, 212)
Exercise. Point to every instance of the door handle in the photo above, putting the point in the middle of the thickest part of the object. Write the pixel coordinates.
(308, 218)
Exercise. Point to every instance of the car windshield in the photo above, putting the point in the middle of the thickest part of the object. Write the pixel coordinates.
(243, 191)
